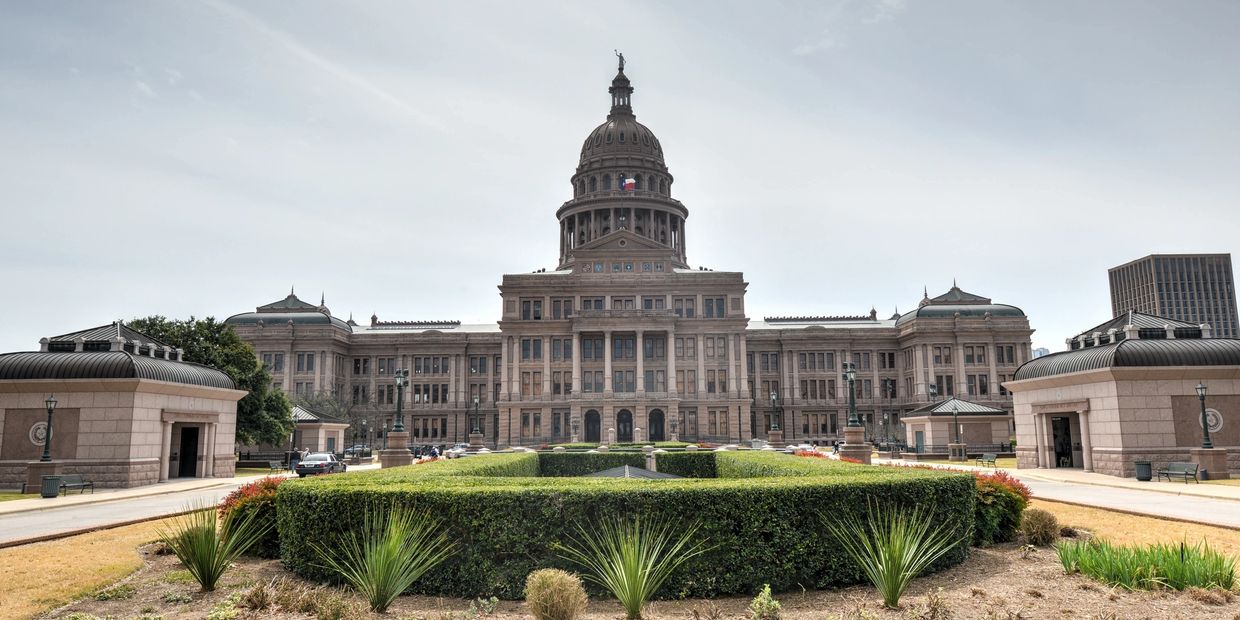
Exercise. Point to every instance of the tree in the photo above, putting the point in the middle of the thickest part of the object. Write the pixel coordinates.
(339, 406)
(265, 415)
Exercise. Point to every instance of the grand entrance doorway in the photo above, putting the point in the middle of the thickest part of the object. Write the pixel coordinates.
(593, 427)
(656, 425)
(1061, 440)
(187, 466)
(624, 426)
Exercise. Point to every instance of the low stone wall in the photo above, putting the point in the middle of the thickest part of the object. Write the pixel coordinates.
(105, 474)
(1120, 462)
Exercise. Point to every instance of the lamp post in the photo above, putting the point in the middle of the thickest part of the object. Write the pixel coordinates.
(477, 430)
(402, 379)
(850, 375)
(775, 412)
(385, 434)
(47, 436)
(1201, 394)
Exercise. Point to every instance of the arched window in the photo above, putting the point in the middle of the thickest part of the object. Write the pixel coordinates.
(637, 178)
(594, 184)
(650, 182)
(662, 186)
(581, 187)
(609, 137)
(622, 136)
(606, 182)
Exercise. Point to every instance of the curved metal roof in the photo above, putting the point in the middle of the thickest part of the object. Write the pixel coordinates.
(277, 319)
(950, 310)
(1135, 354)
(108, 365)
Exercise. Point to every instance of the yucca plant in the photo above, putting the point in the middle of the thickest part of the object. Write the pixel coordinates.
(1175, 566)
(207, 545)
(632, 558)
(395, 547)
(892, 546)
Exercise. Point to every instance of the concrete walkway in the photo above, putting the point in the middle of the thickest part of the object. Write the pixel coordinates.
(1208, 504)
(26, 519)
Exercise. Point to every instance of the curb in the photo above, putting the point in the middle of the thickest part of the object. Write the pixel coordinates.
(106, 500)
(1139, 514)
(1126, 488)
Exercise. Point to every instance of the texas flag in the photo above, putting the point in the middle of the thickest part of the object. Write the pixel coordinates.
(630, 184)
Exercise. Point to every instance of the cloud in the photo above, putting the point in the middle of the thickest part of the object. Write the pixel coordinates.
(142, 88)
(296, 49)
(174, 76)
(886, 10)
(825, 42)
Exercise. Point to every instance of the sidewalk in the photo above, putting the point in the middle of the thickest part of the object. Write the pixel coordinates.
(162, 488)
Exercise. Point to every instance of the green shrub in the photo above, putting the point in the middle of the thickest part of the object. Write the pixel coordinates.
(893, 546)
(1001, 500)
(585, 445)
(207, 546)
(1174, 566)
(631, 559)
(258, 497)
(553, 594)
(1040, 527)
(764, 606)
(394, 548)
(571, 464)
(506, 520)
(687, 464)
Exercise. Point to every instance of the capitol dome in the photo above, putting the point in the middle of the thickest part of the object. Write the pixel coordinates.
(621, 134)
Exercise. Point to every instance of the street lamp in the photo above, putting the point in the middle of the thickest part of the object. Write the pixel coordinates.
(477, 430)
(365, 436)
(775, 411)
(956, 420)
(51, 406)
(1201, 394)
(850, 375)
(402, 379)
(385, 434)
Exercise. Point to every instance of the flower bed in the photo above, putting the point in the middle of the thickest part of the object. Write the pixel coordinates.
(762, 514)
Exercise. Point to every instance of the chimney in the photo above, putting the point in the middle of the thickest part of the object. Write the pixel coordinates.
(1206, 330)
(1131, 332)
(43, 342)
(118, 344)
(1170, 331)
(167, 352)
(180, 354)
(79, 344)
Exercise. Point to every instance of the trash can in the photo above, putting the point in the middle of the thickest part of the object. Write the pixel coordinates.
(51, 486)
(1145, 470)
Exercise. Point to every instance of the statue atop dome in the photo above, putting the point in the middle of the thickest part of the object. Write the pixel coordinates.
(620, 55)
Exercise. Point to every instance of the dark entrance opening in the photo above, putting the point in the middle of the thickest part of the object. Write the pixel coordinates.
(656, 425)
(188, 465)
(1061, 433)
(593, 427)
(624, 426)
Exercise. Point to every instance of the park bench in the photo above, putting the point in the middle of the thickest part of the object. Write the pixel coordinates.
(75, 481)
(1183, 470)
(986, 459)
(276, 466)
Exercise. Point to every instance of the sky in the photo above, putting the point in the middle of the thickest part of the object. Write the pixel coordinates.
(200, 157)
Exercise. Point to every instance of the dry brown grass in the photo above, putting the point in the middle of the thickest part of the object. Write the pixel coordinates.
(42, 576)
(1129, 529)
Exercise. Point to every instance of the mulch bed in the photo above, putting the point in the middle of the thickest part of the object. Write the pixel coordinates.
(999, 583)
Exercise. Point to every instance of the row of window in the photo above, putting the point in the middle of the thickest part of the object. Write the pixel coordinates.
(623, 267)
(608, 184)
(684, 307)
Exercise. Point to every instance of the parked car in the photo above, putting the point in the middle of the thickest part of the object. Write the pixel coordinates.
(320, 463)
(457, 451)
(357, 450)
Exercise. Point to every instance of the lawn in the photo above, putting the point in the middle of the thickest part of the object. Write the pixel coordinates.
(1126, 529)
(6, 496)
(1006, 462)
(1233, 482)
(42, 576)
(254, 471)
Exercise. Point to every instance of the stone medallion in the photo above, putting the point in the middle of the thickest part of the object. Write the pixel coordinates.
(38, 433)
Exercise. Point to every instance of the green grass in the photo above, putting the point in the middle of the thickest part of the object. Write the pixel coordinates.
(1006, 462)
(6, 496)
(1177, 566)
(254, 471)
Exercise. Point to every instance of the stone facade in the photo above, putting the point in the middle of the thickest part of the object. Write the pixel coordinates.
(623, 341)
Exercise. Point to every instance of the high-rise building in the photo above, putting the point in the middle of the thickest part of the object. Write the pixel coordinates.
(1040, 351)
(1196, 288)
(622, 340)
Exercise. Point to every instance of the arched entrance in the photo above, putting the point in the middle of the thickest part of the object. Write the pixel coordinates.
(593, 427)
(624, 426)
(656, 425)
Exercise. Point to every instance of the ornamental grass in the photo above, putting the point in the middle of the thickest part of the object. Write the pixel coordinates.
(892, 546)
(632, 559)
(395, 547)
(1173, 566)
(207, 544)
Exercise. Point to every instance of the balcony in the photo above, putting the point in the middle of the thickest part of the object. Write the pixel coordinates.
(625, 314)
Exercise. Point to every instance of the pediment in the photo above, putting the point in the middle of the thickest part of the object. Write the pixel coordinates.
(622, 240)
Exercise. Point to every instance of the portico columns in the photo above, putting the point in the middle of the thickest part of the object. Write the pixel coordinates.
(607, 388)
(576, 363)
(671, 362)
(641, 367)
(732, 373)
(165, 450)
(1087, 456)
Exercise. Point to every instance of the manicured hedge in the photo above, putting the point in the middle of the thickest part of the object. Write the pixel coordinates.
(569, 464)
(687, 464)
(584, 445)
(763, 516)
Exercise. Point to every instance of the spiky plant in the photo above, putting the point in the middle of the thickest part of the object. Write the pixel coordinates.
(892, 546)
(632, 558)
(207, 545)
(394, 548)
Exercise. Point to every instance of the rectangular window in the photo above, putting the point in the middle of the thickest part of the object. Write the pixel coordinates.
(562, 308)
(684, 307)
(714, 307)
(655, 347)
(654, 302)
(971, 381)
(622, 347)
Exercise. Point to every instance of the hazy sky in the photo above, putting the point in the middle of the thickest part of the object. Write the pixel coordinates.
(199, 157)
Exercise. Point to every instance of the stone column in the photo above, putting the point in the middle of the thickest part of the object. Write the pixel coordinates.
(962, 387)
(165, 453)
(208, 468)
(796, 378)
(671, 362)
(505, 385)
(732, 373)
(607, 364)
(576, 364)
(641, 364)
(1087, 455)
(516, 369)
(546, 382)
(994, 373)
(456, 396)
(701, 365)
(744, 355)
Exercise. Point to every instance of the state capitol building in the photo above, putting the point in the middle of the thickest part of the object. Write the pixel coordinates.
(624, 336)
